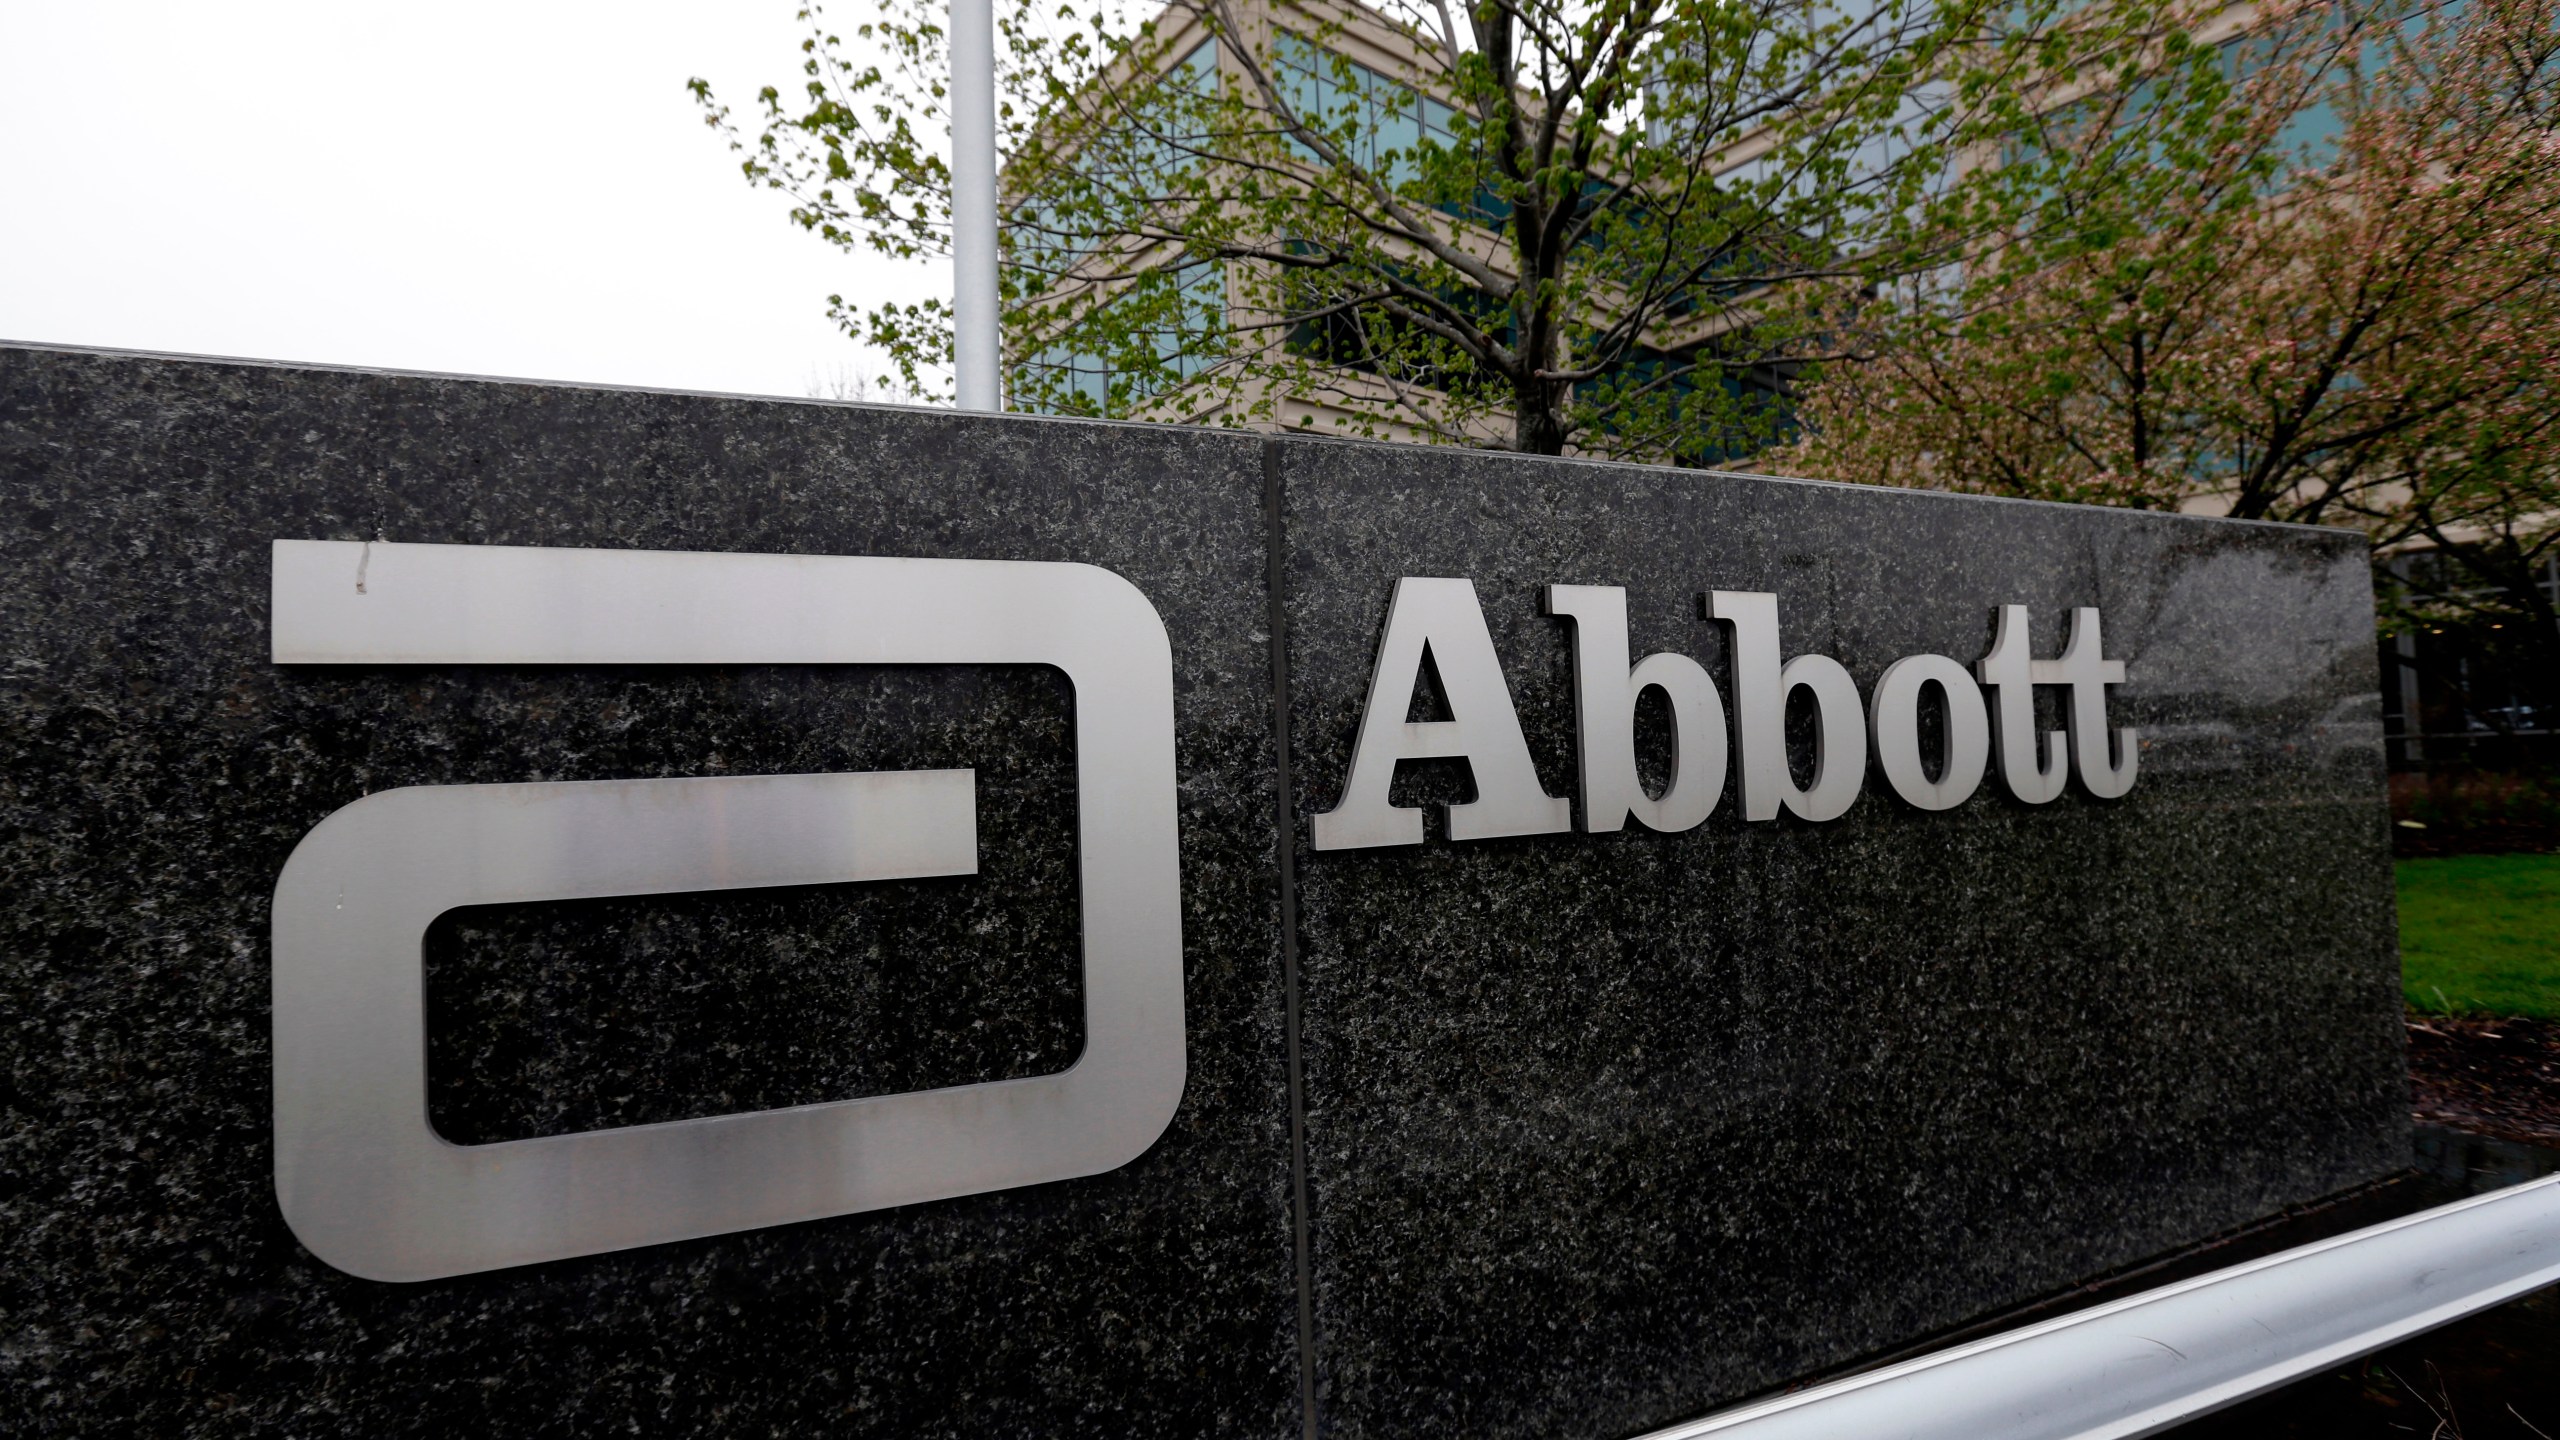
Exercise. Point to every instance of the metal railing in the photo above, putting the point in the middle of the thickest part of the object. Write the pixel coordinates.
(2150, 1361)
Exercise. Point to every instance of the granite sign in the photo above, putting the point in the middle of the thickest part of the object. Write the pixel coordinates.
(780, 917)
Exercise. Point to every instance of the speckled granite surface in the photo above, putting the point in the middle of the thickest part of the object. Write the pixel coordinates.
(1605, 1131)
(1601, 1132)
(155, 770)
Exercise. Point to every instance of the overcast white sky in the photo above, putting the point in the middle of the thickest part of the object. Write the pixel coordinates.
(519, 189)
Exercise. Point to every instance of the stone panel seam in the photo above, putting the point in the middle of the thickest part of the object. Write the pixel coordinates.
(1302, 1238)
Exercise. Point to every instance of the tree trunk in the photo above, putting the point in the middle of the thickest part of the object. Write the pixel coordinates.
(1536, 429)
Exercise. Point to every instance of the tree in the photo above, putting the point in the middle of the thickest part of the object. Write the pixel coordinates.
(1602, 228)
(2470, 144)
(2328, 291)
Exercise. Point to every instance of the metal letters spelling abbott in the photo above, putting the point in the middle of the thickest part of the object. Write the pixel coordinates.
(1443, 618)
(370, 1187)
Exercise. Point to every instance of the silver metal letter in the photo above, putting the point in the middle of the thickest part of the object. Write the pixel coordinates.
(1893, 719)
(2010, 671)
(372, 1189)
(1604, 704)
(2084, 668)
(1761, 687)
(1443, 617)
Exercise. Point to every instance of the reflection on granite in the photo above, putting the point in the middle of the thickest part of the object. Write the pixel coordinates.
(1607, 1131)
(157, 770)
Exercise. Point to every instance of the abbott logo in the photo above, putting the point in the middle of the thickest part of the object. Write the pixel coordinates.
(1440, 618)
(372, 1189)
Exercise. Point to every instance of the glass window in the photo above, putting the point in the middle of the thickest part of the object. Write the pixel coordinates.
(1379, 123)
(1049, 237)
(1074, 380)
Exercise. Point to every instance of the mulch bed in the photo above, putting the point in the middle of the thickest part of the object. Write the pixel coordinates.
(2490, 1077)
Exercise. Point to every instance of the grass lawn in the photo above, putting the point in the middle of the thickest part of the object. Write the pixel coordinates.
(2480, 934)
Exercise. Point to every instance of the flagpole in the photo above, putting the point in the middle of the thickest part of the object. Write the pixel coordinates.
(977, 351)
